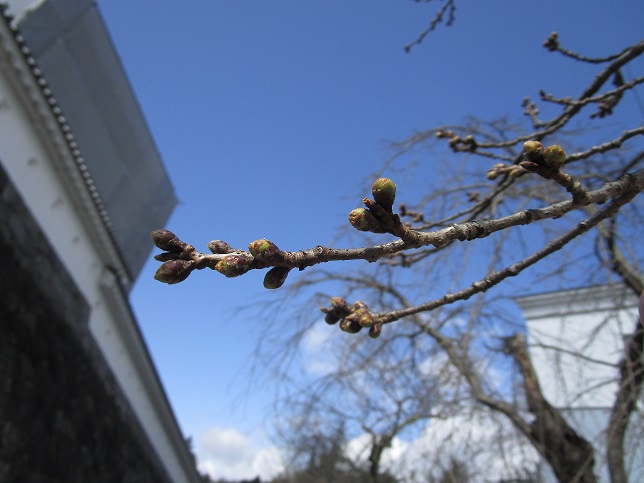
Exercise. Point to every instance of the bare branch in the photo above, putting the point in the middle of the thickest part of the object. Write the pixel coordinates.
(448, 8)
(631, 380)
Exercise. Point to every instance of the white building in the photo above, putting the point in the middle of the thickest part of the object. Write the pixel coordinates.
(77, 153)
(576, 340)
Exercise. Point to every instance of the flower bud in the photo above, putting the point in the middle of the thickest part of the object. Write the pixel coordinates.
(168, 241)
(350, 325)
(331, 316)
(552, 42)
(165, 256)
(174, 271)
(218, 246)
(276, 277)
(384, 192)
(233, 265)
(495, 171)
(265, 250)
(359, 304)
(375, 330)
(554, 156)
(363, 220)
(532, 150)
(365, 318)
(340, 305)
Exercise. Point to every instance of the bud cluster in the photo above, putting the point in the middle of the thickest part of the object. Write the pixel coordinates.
(352, 318)
(180, 259)
(513, 170)
(457, 143)
(377, 214)
(530, 108)
(545, 161)
(552, 42)
(177, 263)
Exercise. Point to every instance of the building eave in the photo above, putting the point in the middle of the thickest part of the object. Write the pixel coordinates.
(49, 118)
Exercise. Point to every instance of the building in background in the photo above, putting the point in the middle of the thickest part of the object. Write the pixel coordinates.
(576, 340)
(81, 187)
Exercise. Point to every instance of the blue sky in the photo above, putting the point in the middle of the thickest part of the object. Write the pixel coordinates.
(271, 116)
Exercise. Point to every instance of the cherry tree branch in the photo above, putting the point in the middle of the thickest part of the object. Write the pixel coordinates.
(571, 110)
(358, 316)
(180, 258)
(449, 8)
(569, 454)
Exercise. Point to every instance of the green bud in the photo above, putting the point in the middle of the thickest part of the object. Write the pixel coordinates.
(365, 318)
(276, 277)
(168, 241)
(554, 156)
(384, 192)
(363, 220)
(532, 150)
(174, 271)
(218, 246)
(233, 265)
(265, 250)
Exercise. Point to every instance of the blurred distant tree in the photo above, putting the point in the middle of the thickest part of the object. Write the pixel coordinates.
(322, 457)
(474, 225)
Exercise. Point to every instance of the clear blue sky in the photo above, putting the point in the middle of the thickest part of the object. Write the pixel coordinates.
(270, 117)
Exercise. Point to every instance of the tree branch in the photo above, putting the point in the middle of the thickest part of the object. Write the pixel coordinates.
(569, 454)
(496, 277)
(180, 258)
(631, 380)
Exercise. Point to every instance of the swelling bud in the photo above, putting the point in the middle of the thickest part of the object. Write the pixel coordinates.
(174, 271)
(265, 250)
(375, 331)
(554, 156)
(168, 241)
(532, 150)
(350, 325)
(384, 192)
(219, 246)
(233, 265)
(275, 277)
(363, 220)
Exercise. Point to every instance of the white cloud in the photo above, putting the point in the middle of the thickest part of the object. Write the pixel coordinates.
(488, 445)
(318, 350)
(490, 448)
(228, 453)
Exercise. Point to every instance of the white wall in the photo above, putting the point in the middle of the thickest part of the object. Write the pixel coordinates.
(576, 341)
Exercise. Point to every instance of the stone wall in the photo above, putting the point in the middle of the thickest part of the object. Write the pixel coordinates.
(63, 418)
